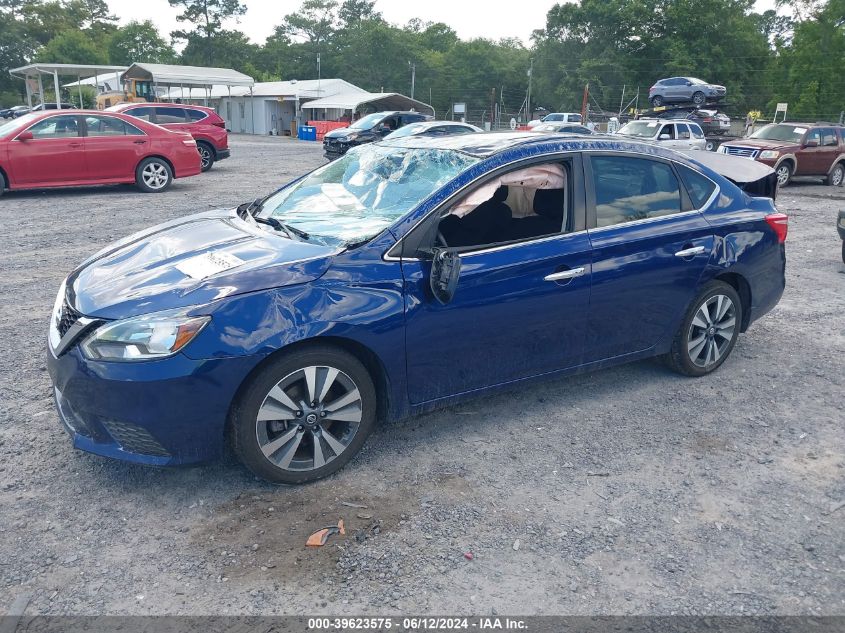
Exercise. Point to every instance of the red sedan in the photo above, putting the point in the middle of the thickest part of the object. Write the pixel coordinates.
(204, 124)
(82, 147)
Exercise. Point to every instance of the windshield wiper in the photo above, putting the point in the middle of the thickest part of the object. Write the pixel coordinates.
(254, 207)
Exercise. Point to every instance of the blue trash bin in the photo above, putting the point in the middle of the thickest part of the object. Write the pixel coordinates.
(307, 133)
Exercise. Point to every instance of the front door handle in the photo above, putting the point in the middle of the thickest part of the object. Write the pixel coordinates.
(565, 274)
(75, 145)
(690, 252)
(139, 142)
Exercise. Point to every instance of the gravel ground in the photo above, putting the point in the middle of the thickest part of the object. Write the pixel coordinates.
(631, 490)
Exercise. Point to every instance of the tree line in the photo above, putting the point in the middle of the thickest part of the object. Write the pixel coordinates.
(618, 47)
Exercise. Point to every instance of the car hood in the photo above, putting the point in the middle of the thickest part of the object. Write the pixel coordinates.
(341, 131)
(761, 143)
(191, 261)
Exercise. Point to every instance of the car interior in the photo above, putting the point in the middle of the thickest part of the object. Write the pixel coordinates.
(520, 205)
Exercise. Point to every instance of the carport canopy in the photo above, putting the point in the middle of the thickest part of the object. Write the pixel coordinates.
(37, 71)
(387, 101)
(190, 76)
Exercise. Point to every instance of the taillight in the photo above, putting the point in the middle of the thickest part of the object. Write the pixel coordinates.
(780, 225)
(708, 120)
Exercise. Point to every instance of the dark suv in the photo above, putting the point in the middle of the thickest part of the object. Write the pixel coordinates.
(796, 149)
(712, 122)
(372, 127)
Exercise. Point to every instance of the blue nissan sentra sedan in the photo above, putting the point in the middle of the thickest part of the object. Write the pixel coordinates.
(404, 276)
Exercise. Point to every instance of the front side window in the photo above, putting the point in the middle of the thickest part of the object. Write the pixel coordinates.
(630, 189)
(147, 114)
(523, 204)
(56, 127)
(667, 131)
(359, 195)
(109, 126)
(170, 115)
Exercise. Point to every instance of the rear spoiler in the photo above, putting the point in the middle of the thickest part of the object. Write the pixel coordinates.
(755, 179)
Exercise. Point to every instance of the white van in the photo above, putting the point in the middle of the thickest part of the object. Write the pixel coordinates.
(675, 134)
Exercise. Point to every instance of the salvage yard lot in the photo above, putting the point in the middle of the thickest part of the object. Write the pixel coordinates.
(630, 490)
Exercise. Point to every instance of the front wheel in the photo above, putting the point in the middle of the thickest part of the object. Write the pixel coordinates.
(206, 155)
(836, 176)
(784, 174)
(304, 416)
(709, 331)
(153, 175)
(2, 184)
(698, 98)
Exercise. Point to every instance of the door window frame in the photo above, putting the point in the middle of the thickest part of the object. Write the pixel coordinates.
(687, 206)
(410, 246)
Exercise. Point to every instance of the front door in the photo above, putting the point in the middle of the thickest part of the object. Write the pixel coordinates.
(53, 155)
(519, 308)
(650, 248)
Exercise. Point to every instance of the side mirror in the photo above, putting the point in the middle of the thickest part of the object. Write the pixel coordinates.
(445, 271)
(811, 143)
(25, 136)
(665, 137)
(689, 83)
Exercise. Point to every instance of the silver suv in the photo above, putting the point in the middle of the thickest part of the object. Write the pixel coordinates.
(684, 90)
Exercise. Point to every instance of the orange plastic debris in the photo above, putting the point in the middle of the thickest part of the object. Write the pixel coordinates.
(319, 538)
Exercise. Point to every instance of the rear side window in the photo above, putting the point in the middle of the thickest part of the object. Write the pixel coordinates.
(683, 131)
(109, 126)
(630, 189)
(142, 113)
(829, 137)
(170, 115)
(699, 187)
(196, 115)
(696, 130)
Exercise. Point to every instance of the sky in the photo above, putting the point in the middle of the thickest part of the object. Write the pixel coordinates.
(470, 18)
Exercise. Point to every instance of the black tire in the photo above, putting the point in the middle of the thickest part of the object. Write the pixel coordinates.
(698, 98)
(2, 184)
(843, 251)
(207, 155)
(683, 356)
(245, 427)
(710, 146)
(153, 175)
(656, 101)
(836, 176)
(784, 173)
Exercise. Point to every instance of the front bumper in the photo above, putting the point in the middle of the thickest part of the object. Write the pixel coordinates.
(163, 412)
(332, 150)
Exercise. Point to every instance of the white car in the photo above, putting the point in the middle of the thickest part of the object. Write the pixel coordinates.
(674, 134)
(557, 117)
(433, 128)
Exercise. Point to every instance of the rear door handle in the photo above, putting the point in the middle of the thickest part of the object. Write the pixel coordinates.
(565, 274)
(75, 145)
(690, 252)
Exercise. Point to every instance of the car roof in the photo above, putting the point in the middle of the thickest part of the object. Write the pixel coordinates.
(486, 144)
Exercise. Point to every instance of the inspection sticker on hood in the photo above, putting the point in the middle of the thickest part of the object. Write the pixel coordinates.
(208, 264)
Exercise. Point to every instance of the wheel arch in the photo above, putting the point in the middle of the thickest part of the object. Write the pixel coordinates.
(789, 158)
(208, 143)
(164, 158)
(743, 289)
(371, 361)
(5, 175)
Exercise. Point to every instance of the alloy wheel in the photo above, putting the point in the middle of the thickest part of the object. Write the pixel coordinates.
(155, 175)
(309, 418)
(205, 156)
(837, 175)
(783, 175)
(711, 331)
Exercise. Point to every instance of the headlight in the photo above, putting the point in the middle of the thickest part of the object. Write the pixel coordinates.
(769, 154)
(347, 138)
(56, 316)
(145, 337)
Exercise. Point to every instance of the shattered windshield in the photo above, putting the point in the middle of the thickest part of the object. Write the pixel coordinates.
(359, 195)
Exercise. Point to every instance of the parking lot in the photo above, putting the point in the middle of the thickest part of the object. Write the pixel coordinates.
(631, 490)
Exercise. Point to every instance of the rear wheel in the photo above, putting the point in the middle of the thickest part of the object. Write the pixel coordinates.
(784, 173)
(153, 175)
(304, 416)
(709, 331)
(710, 146)
(657, 101)
(836, 176)
(206, 155)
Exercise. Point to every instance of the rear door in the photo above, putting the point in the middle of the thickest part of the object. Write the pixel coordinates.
(113, 148)
(650, 247)
(54, 155)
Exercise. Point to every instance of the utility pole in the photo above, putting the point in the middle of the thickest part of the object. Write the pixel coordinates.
(413, 77)
(528, 98)
(584, 104)
(318, 76)
(492, 105)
